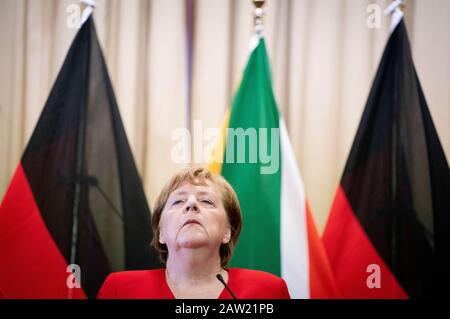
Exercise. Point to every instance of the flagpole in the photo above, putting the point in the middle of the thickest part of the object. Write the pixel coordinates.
(79, 164)
(190, 32)
(88, 7)
(396, 10)
(258, 23)
(258, 14)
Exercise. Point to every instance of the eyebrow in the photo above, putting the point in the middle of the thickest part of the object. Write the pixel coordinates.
(179, 193)
(198, 193)
(204, 193)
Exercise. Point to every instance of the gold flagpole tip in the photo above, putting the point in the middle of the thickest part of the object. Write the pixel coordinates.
(258, 14)
(259, 3)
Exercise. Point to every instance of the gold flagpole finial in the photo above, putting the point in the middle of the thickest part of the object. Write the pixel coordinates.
(258, 14)
(401, 5)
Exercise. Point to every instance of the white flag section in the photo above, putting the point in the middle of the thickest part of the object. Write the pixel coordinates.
(294, 239)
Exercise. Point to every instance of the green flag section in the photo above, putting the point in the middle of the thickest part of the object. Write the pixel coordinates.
(254, 111)
(279, 235)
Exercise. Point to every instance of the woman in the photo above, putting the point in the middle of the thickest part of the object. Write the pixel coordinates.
(196, 223)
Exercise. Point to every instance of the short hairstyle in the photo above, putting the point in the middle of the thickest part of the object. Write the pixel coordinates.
(200, 176)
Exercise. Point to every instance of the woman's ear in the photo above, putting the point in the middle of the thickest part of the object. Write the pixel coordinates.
(161, 238)
(227, 235)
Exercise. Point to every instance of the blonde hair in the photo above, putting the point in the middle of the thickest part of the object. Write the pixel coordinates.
(200, 176)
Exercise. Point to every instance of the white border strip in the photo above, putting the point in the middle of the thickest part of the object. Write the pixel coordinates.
(294, 231)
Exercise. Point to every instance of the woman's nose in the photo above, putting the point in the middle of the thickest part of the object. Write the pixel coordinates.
(191, 206)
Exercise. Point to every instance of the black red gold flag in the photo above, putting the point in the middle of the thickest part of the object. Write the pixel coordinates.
(76, 197)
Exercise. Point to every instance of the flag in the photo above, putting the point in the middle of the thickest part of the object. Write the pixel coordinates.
(388, 232)
(76, 197)
(279, 235)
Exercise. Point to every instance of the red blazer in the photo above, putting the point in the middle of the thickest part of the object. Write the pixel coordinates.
(151, 284)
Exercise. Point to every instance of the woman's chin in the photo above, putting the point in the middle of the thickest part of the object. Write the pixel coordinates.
(193, 241)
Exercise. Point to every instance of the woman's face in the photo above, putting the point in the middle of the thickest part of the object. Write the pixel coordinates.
(194, 217)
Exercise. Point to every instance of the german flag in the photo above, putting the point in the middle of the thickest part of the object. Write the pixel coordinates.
(76, 197)
(388, 234)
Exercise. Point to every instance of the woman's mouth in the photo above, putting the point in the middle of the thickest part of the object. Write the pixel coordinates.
(191, 221)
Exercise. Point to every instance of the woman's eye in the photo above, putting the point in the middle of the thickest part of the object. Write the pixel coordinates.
(178, 201)
(207, 201)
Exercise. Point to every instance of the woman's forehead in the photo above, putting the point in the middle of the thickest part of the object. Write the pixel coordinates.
(189, 188)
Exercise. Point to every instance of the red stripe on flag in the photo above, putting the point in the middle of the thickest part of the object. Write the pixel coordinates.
(350, 252)
(31, 265)
(321, 281)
